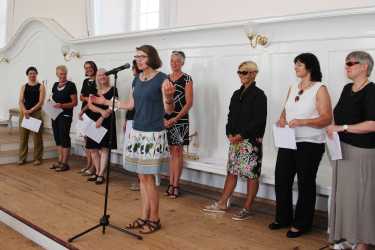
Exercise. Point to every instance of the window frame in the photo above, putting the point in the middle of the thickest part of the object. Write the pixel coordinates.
(167, 17)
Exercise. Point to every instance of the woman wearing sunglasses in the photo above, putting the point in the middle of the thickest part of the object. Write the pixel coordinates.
(307, 110)
(245, 129)
(352, 214)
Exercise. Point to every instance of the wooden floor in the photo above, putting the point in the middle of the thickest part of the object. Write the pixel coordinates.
(65, 204)
(11, 240)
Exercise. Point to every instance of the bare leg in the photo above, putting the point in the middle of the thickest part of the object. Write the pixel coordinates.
(65, 155)
(144, 198)
(178, 164)
(89, 159)
(103, 160)
(94, 154)
(153, 197)
(252, 190)
(172, 165)
(229, 186)
(60, 150)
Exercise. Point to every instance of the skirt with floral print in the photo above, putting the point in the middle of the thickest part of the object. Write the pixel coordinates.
(245, 159)
(146, 152)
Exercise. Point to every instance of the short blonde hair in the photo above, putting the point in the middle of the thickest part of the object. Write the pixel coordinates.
(62, 67)
(249, 65)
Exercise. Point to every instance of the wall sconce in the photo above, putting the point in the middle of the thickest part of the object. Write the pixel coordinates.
(69, 53)
(254, 37)
(4, 59)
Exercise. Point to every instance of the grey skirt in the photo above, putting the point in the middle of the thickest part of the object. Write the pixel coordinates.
(352, 212)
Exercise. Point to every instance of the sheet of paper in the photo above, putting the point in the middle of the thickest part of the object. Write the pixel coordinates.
(50, 110)
(95, 133)
(32, 124)
(334, 146)
(83, 124)
(284, 137)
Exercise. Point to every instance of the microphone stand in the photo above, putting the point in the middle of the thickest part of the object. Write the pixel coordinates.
(104, 220)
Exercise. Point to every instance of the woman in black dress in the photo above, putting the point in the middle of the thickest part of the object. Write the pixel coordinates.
(88, 88)
(102, 115)
(177, 123)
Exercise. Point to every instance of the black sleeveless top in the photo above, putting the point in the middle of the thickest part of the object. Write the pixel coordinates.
(31, 95)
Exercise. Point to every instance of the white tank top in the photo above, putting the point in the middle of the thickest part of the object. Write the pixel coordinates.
(304, 108)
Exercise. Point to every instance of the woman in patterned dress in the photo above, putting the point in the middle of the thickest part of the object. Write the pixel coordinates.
(245, 129)
(177, 123)
(147, 149)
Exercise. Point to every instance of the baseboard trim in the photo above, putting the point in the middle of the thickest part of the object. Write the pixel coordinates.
(33, 232)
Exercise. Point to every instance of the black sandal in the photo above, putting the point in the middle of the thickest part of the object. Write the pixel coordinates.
(175, 193)
(169, 190)
(92, 177)
(152, 226)
(99, 180)
(63, 167)
(138, 223)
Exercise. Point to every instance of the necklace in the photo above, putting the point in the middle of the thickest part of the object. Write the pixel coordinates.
(361, 86)
(175, 76)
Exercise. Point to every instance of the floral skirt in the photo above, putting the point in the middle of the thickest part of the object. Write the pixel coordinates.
(245, 159)
(146, 152)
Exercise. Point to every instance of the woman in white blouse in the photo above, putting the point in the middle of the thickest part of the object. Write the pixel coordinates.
(308, 110)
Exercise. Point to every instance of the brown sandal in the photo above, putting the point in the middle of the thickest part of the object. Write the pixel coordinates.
(138, 223)
(150, 227)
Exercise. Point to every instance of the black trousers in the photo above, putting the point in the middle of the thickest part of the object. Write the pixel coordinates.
(61, 130)
(305, 163)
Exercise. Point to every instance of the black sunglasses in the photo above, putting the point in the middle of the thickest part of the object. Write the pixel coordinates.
(349, 64)
(296, 99)
(242, 72)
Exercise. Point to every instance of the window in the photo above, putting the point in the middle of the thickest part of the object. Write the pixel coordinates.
(148, 14)
(118, 16)
(3, 22)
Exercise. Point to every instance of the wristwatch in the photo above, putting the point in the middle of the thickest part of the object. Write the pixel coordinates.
(345, 128)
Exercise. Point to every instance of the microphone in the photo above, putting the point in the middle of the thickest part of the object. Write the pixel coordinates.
(116, 70)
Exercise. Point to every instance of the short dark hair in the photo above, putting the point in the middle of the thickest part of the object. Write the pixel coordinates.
(153, 57)
(93, 66)
(135, 67)
(311, 63)
(31, 68)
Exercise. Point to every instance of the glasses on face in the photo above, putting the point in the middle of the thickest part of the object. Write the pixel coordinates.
(244, 73)
(140, 57)
(349, 64)
(296, 99)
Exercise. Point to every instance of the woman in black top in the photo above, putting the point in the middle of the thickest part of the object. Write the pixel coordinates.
(64, 94)
(88, 88)
(353, 180)
(30, 103)
(101, 113)
(245, 129)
